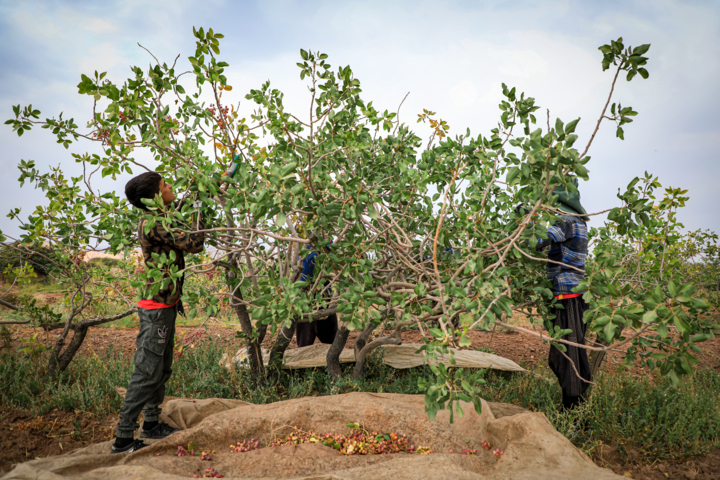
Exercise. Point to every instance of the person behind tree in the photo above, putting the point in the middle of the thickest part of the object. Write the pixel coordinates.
(155, 341)
(324, 330)
(567, 244)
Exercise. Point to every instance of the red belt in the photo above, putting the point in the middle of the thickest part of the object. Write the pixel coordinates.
(565, 296)
(151, 305)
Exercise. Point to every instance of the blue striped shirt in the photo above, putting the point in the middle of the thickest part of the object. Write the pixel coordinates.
(568, 242)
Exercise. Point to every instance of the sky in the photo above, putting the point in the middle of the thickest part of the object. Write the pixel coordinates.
(452, 58)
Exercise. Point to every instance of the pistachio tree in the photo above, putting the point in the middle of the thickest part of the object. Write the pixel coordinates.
(641, 306)
(407, 233)
(299, 183)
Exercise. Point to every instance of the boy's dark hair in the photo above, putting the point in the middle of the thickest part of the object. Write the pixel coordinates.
(145, 185)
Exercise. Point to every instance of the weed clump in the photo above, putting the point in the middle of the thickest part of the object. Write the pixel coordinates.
(646, 414)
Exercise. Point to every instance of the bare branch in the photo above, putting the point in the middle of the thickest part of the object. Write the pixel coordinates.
(612, 88)
(9, 305)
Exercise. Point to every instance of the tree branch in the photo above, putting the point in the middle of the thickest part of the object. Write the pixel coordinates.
(612, 88)
(9, 305)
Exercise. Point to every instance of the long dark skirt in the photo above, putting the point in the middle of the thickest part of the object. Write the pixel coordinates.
(324, 330)
(571, 317)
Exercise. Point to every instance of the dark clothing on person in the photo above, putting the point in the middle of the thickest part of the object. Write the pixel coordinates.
(153, 367)
(156, 339)
(570, 201)
(324, 330)
(571, 317)
(308, 264)
(570, 402)
(160, 240)
(568, 242)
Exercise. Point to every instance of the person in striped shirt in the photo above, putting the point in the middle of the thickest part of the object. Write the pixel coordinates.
(567, 246)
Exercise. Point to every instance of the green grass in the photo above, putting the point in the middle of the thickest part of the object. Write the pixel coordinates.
(88, 384)
(132, 321)
(40, 286)
(647, 414)
(29, 288)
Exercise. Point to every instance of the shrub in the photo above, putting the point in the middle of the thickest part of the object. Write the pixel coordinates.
(107, 262)
(17, 254)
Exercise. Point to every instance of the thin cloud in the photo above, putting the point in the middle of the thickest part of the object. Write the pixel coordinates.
(451, 56)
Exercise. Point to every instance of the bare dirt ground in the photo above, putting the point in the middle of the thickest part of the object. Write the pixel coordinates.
(702, 467)
(24, 438)
(523, 349)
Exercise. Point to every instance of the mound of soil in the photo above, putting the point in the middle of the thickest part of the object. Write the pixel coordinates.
(533, 449)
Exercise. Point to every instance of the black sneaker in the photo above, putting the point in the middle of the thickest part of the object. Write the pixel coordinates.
(161, 430)
(134, 446)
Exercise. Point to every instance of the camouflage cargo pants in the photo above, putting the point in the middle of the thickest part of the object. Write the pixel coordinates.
(153, 367)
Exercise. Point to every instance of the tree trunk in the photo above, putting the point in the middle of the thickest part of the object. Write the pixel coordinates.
(261, 331)
(253, 345)
(262, 328)
(55, 356)
(367, 349)
(58, 363)
(282, 341)
(333, 355)
(252, 342)
(359, 371)
(596, 358)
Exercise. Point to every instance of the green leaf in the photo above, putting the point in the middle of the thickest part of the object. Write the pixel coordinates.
(372, 212)
(570, 141)
(642, 49)
(602, 321)
(609, 332)
(512, 175)
(650, 316)
(681, 324)
(436, 332)
(570, 127)
(699, 338)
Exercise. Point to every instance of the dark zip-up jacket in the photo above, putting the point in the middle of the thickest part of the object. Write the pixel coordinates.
(159, 240)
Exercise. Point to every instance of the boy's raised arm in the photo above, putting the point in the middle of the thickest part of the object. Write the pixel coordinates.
(191, 242)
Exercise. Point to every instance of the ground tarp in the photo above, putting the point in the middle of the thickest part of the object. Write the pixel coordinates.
(397, 356)
(533, 449)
